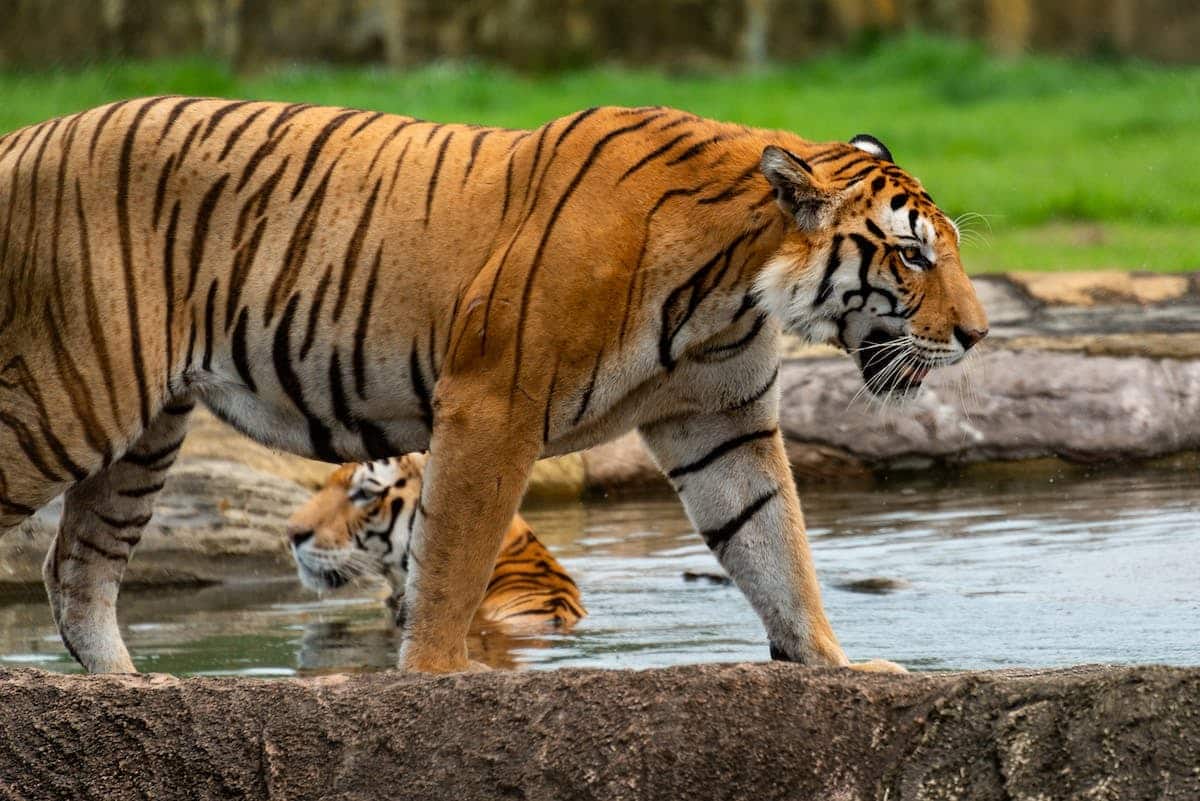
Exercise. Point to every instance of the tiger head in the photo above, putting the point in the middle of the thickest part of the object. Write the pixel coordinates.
(358, 524)
(870, 265)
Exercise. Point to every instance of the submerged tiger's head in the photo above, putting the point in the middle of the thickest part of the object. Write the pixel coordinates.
(871, 265)
(358, 524)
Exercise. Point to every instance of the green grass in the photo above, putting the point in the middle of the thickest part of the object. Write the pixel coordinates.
(1075, 164)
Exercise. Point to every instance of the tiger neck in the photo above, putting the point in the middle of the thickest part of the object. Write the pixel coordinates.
(723, 226)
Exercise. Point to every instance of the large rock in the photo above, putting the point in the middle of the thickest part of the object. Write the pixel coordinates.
(1013, 405)
(714, 732)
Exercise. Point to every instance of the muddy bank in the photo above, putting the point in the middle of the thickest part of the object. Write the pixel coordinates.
(739, 731)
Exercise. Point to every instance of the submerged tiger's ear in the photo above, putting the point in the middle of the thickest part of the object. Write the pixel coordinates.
(799, 193)
(869, 144)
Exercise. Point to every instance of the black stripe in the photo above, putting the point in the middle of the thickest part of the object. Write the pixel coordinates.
(854, 162)
(831, 266)
(549, 403)
(104, 118)
(875, 229)
(124, 170)
(107, 554)
(314, 312)
(286, 114)
(360, 329)
(366, 123)
(384, 143)
(76, 387)
(476, 141)
(142, 492)
(731, 349)
(419, 388)
(256, 204)
(758, 394)
(318, 145)
(187, 143)
(237, 132)
(899, 200)
(169, 285)
(210, 304)
(95, 329)
(683, 301)
(126, 522)
(866, 252)
(337, 392)
(433, 179)
(319, 433)
(696, 149)
(652, 155)
(718, 538)
(587, 393)
(180, 409)
(28, 445)
(238, 350)
(173, 115)
(719, 451)
(200, 231)
(259, 155)
(160, 191)
(153, 458)
(508, 175)
(353, 249)
(243, 264)
(297, 249)
(215, 118)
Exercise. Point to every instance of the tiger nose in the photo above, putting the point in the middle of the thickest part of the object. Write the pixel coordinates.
(967, 337)
(299, 536)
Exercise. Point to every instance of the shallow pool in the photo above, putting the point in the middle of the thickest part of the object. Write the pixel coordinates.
(1043, 570)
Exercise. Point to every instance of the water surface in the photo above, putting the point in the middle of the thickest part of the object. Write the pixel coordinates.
(1036, 571)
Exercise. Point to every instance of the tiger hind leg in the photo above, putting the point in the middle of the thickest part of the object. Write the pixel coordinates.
(102, 522)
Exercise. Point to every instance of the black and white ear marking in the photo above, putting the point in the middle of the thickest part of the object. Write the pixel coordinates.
(796, 188)
(870, 144)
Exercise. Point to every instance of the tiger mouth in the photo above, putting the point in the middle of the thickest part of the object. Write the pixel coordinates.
(889, 368)
(321, 578)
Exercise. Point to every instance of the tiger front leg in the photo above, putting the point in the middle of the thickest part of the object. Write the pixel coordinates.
(480, 457)
(732, 474)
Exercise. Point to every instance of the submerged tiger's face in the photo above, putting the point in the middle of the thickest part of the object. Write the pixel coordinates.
(871, 265)
(358, 524)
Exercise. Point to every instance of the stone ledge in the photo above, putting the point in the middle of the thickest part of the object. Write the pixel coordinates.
(769, 731)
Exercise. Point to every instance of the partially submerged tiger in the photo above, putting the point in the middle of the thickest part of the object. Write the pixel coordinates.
(351, 285)
(361, 522)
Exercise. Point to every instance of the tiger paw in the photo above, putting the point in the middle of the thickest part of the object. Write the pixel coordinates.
(877, 666)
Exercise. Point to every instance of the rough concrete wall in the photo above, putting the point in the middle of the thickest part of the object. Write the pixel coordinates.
(712, 732)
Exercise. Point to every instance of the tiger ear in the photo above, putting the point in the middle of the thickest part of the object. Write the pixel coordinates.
(797, 190)
(869, 144)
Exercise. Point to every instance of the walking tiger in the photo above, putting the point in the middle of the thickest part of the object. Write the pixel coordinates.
(352, 285)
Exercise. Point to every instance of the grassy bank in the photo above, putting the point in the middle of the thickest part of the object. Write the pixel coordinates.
(1074, 164)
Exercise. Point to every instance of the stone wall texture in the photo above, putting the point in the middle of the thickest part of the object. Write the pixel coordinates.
(701, 732)
(546, 34)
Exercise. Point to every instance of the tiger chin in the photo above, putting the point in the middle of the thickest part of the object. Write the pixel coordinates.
(350, 285)
(360, 524)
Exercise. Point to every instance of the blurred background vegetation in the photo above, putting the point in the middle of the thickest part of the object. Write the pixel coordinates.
(1068, 126)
